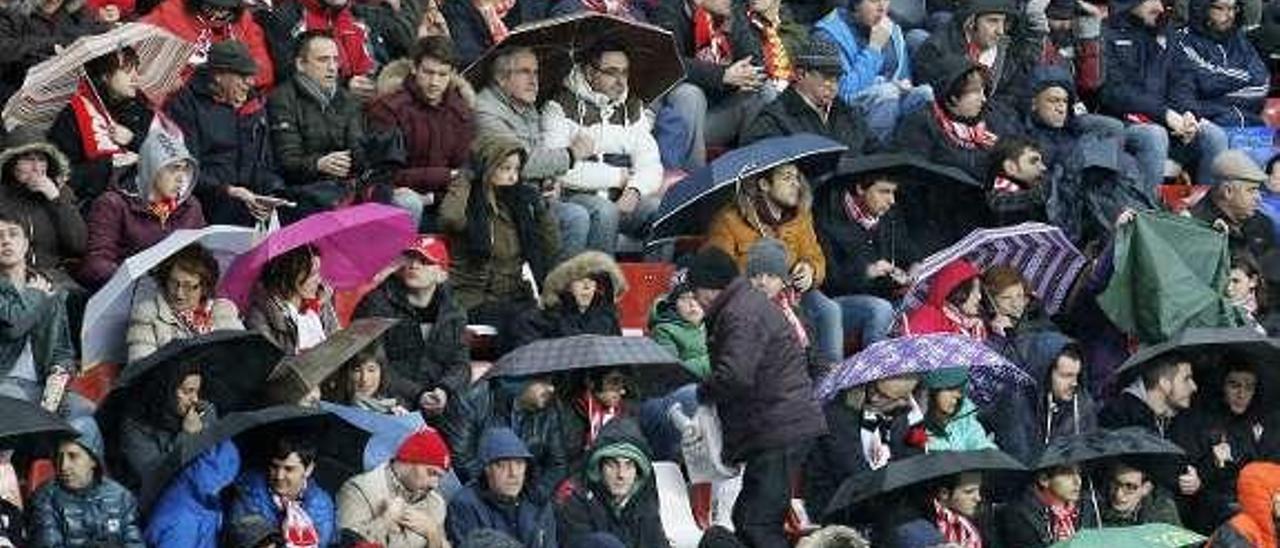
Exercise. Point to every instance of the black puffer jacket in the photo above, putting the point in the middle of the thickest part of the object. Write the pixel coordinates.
(920, 133)
(439, 359)
(586, 507)
(759, 375)
(790, 114)
(303, 129)
(232, 145)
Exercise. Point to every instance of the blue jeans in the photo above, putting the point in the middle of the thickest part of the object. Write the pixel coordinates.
(1209, 142)
(885, 103)
(714, 124)
(574, 222)
(663, 436)
(602, 225)
(836, 318)
(1147, 143)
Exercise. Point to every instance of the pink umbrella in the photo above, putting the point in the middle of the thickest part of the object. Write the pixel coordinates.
(355, 243)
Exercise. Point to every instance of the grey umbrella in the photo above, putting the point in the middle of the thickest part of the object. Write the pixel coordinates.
(582, 352)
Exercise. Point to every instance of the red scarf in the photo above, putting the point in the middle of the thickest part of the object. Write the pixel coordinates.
(163, 208)
(710, 42)
(1005, 185)
(963, 135)
(93, 122)
(853, 206)
(351, 35)
(968, 326)
(298, 529)
(493, 12)
(199, 319)
(777, 63)
(597, 415)
(311, 306)
(1063, 516)
(956, 528)
(787, 299)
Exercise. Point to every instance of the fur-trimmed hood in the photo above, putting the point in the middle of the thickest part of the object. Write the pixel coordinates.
(592, 264)
(59, 167)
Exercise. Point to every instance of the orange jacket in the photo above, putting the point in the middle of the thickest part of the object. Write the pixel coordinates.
(735, 227)
(1257, 484)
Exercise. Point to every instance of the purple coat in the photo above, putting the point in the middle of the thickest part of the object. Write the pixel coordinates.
(122, 225)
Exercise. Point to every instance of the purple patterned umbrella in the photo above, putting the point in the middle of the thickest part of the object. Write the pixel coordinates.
(989, 372)
(1041, 252)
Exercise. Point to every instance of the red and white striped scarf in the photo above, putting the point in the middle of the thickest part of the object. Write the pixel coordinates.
(1063, 516)
(975, 136)
(597, 415)
(956, 528)
(1005, 185)
(787, 300)
(297, 527)
(710, 41)
(853, 206)
(493, 12)
(93, 122)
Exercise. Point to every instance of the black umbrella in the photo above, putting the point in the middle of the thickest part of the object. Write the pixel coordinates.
(938, 204)
(1101, 444)
(1205, 345)
(340, 445)
(656, 65)
(28, 426)
(234, 364)
(917, 470)
(582, 352)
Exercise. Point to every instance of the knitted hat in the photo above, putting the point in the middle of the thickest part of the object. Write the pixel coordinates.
(424, 447)
(232, 56)
(1236, 165)
(431, 247)
(767, 256)
(942, 379)
(819, 54)
(622, 450)
(712, 268)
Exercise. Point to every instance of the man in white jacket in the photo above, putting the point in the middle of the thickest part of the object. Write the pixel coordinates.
(620, 182)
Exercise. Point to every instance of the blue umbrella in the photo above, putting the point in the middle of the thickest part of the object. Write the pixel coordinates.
(688, 205)
(387, 432)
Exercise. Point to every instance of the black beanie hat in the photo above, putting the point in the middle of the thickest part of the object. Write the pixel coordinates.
(712, 268)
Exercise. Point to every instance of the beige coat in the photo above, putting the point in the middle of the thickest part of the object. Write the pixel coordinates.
(361, 501)
(152, 324)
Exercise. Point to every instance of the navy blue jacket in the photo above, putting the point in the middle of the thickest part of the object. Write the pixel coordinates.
(253, 496)
(1218, 76)
(1137, 70)
(533, 523)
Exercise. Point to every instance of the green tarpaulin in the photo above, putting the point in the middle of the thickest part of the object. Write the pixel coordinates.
(1151, 535)
(1170, 273)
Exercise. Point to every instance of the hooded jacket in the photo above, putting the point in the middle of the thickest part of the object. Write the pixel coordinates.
(188, 514)
(530, 518)
(253, 495)
(103, 513)
(437, 138)
(919, 133)
(1255, 525)
(739, 224)
(618, 128)
(232, 144)
(759, 375)
(560, 315)
(686, 341)
(439, 358)
(963, 431)
(1043, 421)
(1055, 143)
(492, 405)
(480, 280)
(177, 17)
(929, 318)
(57, 232)
(862, 64)
(1016, 54)
(121, 223)
(586, 507)
(1218, 76)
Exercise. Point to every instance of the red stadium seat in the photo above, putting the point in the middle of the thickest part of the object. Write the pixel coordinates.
(95, 381)
(1272, 112)
(646, 283)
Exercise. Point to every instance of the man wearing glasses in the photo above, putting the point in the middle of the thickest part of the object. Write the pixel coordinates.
(1217, 75)
(1133, 500)
(619, 182)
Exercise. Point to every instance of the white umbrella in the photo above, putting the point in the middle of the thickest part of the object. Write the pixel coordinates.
(106, 317)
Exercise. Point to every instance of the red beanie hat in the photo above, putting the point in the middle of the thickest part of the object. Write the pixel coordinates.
(424, 447)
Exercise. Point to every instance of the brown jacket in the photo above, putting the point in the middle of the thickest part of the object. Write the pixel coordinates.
(270, 317)
(735, 227)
